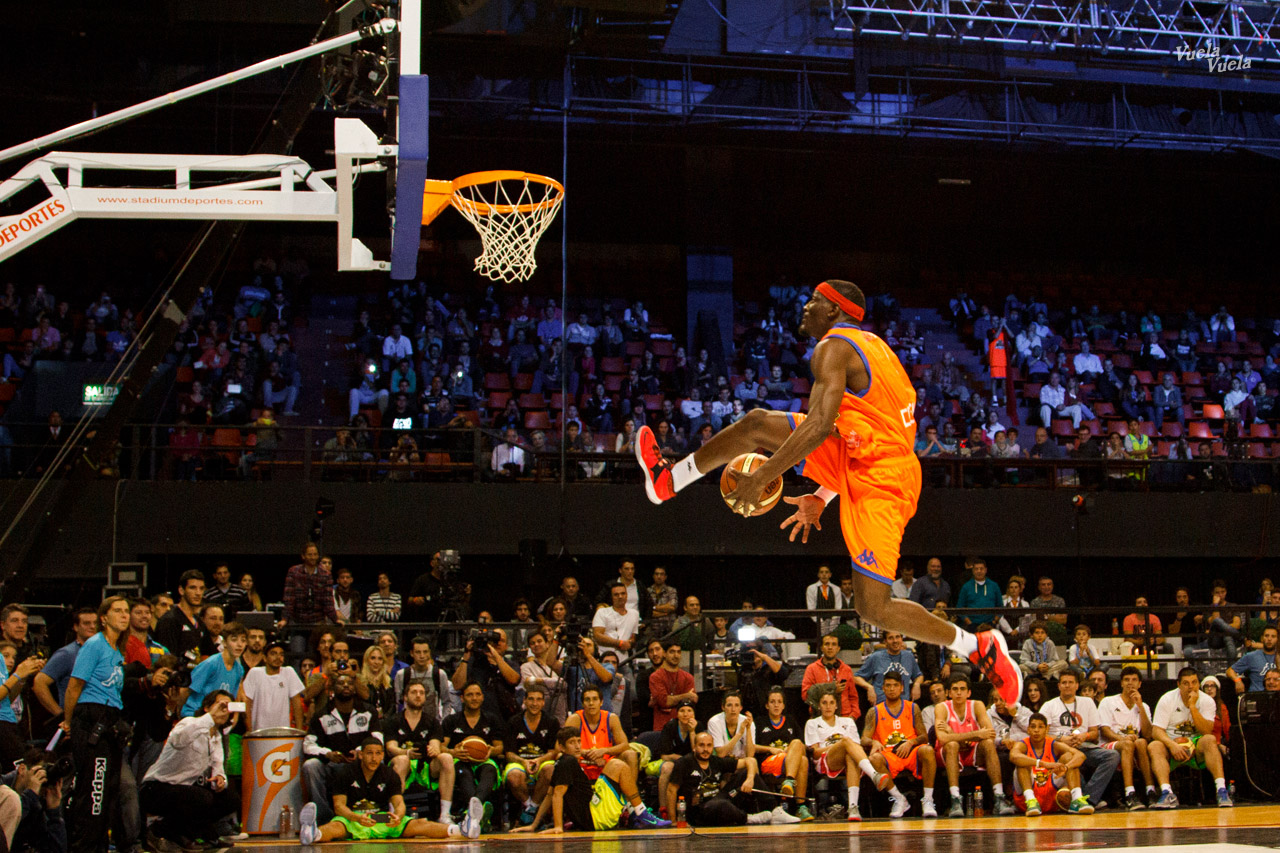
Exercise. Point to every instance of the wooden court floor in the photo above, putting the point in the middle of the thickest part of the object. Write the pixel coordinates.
(1244, 829)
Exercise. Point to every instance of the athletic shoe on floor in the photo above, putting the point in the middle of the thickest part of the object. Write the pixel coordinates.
(1131, 803)
(529, 813)
(1004, 806)
(804, 814)
(759, 818)
(928, 809)
(855, 816)
(1033, 807)
(472, 819)
(788, 788)
(658, 484)
(779, 816)
(308, 832)
(156, 844)
(1080, 805)
(1167, 801)
(835, 811)
(992, 657)
(900, 807)
(956, 810)
(648, 820)
(1224, 799)
(486, 817)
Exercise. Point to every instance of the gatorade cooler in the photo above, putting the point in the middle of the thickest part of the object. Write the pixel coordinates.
(271, 778)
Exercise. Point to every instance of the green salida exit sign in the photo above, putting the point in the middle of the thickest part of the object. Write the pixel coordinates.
(100, 395)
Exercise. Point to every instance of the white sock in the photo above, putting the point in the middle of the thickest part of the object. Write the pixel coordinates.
(997, 789)
(528, 801)
(1076, 793)
(865, 766)
(640, 809)
(895, 793)
(928, 796)
(964, 644)
(853, 795)
(955, 792)
(1128, 791)
(454, 830)
(1166, 789)
(684, 472)
(1220, 783)
(1029, 795)
(1152, 790)
(446, 806)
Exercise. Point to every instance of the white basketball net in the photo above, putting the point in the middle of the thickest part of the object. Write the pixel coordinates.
(510, 215)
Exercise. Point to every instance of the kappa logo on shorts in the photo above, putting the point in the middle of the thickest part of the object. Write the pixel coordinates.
(868, 558)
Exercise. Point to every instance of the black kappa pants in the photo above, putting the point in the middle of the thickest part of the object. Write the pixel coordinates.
(96, 794)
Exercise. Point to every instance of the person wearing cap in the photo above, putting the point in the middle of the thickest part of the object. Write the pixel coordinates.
(272, 693)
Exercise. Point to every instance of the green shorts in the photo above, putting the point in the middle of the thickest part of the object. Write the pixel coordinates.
(360, 832)
(607, 804)
(1194, 761)
(420, 774)
(514, 766)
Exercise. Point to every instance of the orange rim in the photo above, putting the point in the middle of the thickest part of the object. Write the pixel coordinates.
(495, 176)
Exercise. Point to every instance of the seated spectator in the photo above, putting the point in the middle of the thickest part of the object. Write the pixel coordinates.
(1053, 403)
(1144, 629)
(1153, 356)
(828, 669)
(1040, 654)
(508, 459)
(1167, 400)
(1073, 719)
(186, 789)
(1124, 724)
(692, 629)
(780, 394)
(366, 390)
(893, 658)
(1182, 733)
(1222, 326)
(1087, 365)
(967, 739)
(1081, 655)
(732, 731)
(1253, 665)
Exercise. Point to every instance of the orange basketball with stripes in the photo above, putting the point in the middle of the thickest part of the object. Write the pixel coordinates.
(749, 462)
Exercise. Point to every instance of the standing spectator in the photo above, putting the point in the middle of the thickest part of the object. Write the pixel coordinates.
(91, 712)
(931, 589)
(179, 629)
(828, 668)
(665, 602)
(423, 670)
(1056, 618)
(692, 629)
(231, 598)
(616, 627)
(383, 605)
(218, 672)
(346, 598)
(669, 687)
(978, 593)
(638, 598)
(823, 595)
(906, 579)
(14, 621)
(56, 674)
(308, 595)
(272, 693)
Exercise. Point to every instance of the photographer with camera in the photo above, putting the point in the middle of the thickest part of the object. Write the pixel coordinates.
(486, 662)
(586, 670)
(38, 780)
(321, 680)
(763, 672)
(187, 786)
(829, 669)
(12, 740)
(92, 716)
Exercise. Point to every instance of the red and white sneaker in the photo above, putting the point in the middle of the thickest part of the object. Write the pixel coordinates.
(658, 484)
(992, 657)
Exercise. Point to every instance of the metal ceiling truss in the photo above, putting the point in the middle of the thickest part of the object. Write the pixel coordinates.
(1173, 29)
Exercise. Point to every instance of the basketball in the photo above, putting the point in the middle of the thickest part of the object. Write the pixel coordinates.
(749, 462)
(476, 749)
(1063, 798)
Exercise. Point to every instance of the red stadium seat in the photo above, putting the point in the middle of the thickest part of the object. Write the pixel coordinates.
(653, 402)
(663, 349)
(1122, 361)
(537, 420)
(634, 349)
(800, 385)
(1193, 392)
(1199, 429)
(613, 364)
(557, 401)
(532, 401)
(1121, 426)
(522, 382)
(7, 390)
(1171, 429)
(1257, 450)
(497, 382)
(1212, 412)
(1063, 429)
(613, 382)
(1144, 377)
(1262, 431)
(1104, 410)
(1031, 391)
(1191, 377)
(1147, 428)
(498, 400)
(1163, 448)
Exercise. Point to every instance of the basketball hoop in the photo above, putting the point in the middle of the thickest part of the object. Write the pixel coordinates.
(510, 210)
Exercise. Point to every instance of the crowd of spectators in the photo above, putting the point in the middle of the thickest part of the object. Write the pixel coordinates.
(599, 685)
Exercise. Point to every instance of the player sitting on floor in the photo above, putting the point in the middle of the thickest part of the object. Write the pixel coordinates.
(833, 745)
(578, 804)
(968, 739)
(1048, 772)
(531, 751)
(367, 804)
(897, 742)
(781, 752)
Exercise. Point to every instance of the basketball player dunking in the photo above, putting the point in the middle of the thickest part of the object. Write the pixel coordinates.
(857, 443)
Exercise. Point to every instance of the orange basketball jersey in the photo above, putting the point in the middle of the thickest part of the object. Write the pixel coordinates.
(883, 416)
(891, 730)
(601, 737)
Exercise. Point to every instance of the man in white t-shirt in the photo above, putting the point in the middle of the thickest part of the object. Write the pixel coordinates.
(1124, 724)
(272, 693)
(834, 743)
(1182, 733)
(616, 627)
(1074, 720)
(732, 732)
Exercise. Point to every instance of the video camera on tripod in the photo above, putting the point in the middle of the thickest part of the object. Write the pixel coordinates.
(570, 635)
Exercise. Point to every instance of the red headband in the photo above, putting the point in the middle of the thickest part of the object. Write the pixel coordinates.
(842, 302)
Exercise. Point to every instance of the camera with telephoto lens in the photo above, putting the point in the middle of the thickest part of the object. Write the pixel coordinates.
(56, 771)
(484, 637)
(739, 654)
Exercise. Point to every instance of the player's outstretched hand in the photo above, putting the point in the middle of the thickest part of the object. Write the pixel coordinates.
(808, 510)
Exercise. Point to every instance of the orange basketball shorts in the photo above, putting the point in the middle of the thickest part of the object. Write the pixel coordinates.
(1046, 793)
(877, 499)
(910, 764)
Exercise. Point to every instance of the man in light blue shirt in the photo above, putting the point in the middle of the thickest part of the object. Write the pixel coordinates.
(892, 658)
(1256, 664)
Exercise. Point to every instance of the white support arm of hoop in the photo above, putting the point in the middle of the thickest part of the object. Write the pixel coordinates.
(273, 198)
(382, 27)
